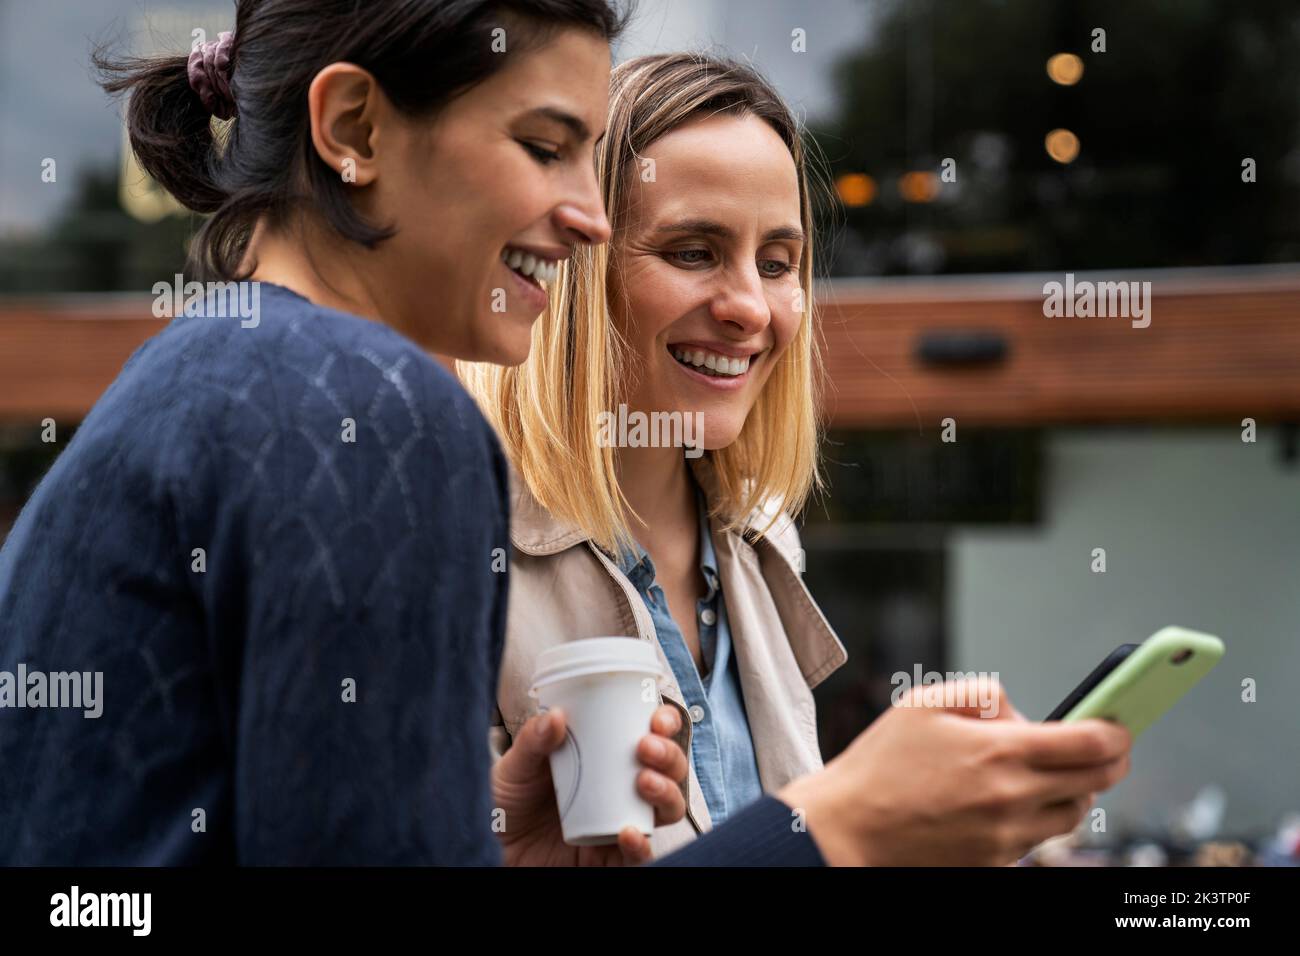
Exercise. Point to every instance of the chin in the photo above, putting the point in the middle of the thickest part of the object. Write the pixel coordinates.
(716, 445)
(721, 429)
(508, 352)
(716, 439)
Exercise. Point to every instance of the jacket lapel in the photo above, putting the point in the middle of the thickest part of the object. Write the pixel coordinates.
(765, 639)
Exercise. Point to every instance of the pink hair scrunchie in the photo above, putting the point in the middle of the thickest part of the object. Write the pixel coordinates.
(209, 72)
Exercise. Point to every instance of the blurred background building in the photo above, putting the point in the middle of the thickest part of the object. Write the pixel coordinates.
(981, 454)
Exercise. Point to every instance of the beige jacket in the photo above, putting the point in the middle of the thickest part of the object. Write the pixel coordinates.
(563, 588)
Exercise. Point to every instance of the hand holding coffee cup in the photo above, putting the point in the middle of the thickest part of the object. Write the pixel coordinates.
(531, 831)
(608, 688)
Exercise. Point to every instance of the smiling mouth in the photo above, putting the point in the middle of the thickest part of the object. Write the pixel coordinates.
(537, 271)
(711, 363)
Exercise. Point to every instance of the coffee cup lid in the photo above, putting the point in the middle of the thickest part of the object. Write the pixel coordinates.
(595, 655)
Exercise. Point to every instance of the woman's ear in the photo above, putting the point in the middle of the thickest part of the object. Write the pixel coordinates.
(343, 104)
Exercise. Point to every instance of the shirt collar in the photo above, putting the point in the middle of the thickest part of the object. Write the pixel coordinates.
(635, 562)
(708, 557)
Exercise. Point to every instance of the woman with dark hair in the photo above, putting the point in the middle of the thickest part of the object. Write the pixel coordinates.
(274, 538)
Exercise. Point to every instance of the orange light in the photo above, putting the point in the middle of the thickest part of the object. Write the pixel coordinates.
(918, 186)
(1062, 145)
(1065, 69)
(856, 189)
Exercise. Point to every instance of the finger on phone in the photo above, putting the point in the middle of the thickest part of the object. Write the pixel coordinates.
(1055, 819)
(1083, 743)
(1072, 782)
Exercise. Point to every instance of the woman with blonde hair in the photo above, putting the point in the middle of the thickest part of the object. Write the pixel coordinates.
(664, 429)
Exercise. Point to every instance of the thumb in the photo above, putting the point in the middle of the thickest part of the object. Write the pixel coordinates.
(532, 747)
(982, 696)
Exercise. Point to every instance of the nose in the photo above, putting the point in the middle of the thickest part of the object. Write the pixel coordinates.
(742, 303)
(582, 218)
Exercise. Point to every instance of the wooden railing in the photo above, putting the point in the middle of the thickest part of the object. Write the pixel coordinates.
(1221, 345)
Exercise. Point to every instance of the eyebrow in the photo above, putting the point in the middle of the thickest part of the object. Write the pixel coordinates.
(708, 227)
(576, 126)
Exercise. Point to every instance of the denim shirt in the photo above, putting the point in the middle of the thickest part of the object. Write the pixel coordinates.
(722, 749)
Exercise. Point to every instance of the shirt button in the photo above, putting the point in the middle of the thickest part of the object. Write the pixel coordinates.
(697, 714)
(708, 616)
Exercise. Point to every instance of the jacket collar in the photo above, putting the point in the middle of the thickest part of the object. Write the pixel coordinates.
(535, 531)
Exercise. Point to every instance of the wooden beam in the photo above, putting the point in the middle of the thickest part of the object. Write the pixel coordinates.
(1217, 348)
(1221, 345)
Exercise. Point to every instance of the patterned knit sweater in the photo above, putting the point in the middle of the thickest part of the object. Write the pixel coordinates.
(278, 545)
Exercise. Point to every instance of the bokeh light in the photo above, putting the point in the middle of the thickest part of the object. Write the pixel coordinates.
(1065, 69)
(918, 186)
(1062, 145)
(856, 189)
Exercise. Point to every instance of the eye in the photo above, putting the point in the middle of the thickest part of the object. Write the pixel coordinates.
(775, 268)
(539, 153)
(686, 257)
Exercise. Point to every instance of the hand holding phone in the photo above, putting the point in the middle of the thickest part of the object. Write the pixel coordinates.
(1137, 683)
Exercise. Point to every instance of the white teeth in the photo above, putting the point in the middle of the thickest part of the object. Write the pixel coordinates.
(719, 364)
(525, 263)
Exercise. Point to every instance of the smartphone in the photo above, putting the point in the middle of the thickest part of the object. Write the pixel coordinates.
(1112, 661)
(1137, 683)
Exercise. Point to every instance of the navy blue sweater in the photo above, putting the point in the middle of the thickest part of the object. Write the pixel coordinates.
(281, 546)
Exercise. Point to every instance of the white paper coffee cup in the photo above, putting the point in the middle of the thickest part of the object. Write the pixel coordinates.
(608, 688)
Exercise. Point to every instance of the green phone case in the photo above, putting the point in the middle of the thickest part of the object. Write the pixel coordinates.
(1148, 682)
